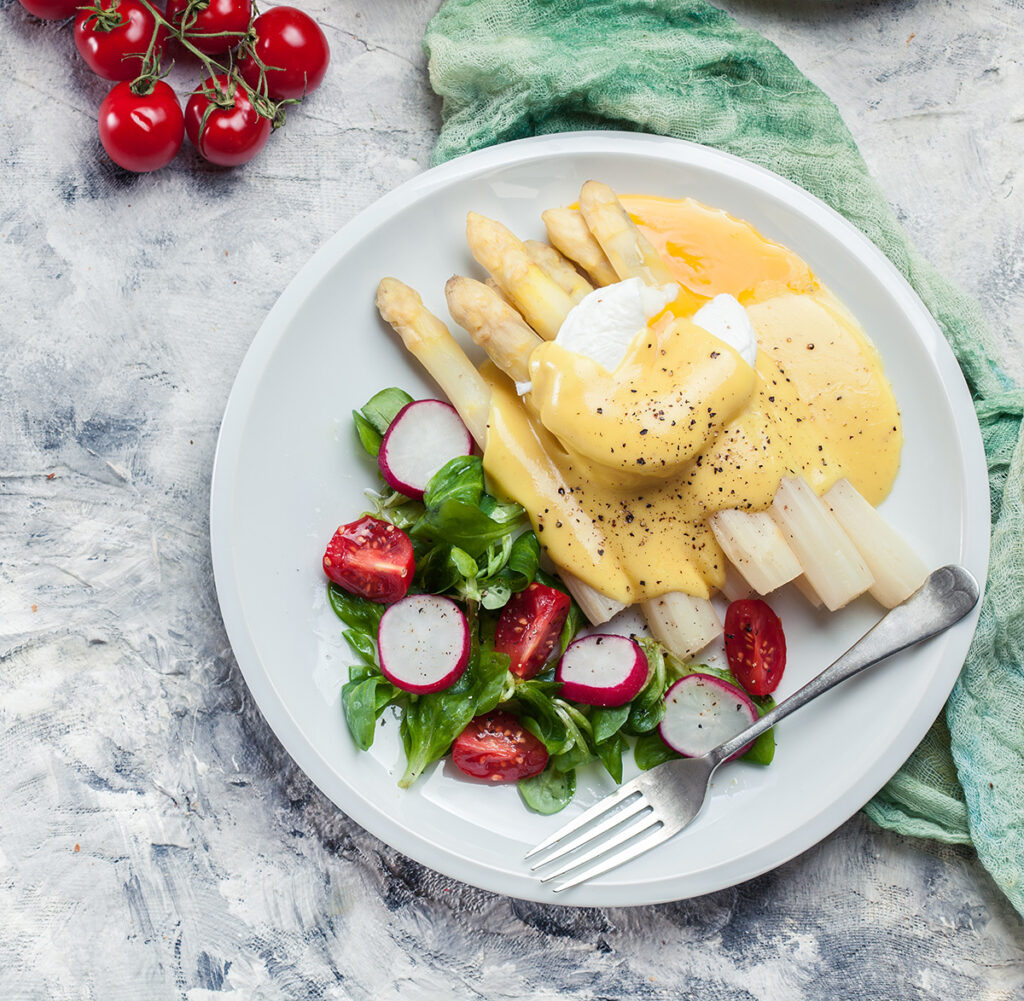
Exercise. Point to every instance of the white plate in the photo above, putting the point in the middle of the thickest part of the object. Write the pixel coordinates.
(288, 472)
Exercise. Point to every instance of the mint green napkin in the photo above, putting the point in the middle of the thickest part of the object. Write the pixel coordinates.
(513, 68)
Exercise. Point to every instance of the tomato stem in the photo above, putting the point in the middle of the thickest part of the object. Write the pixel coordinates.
(105, 19)
(223, 98)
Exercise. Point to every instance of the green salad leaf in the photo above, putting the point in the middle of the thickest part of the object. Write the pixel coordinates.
(608, 722)
(460, 479)
(610, 754)
(533, 703)
(548, 792)
(647, 709)
(650, 750)
(374, 419)
(763, 750)
(457, 523)
(363, 700)
(357, 613)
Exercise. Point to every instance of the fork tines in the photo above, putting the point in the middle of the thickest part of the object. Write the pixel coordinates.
(626, 806)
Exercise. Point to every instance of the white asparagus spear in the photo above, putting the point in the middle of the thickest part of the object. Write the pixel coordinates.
(629, 251)
(897, 569)
(430, 341)
(493, 324)
(540, 299)
(597, 607)
(496, 289)
(550, 260)
(568, 233)
(735, 585)
(681, 623)
(755, 545)
(830, 561)
(803, 585)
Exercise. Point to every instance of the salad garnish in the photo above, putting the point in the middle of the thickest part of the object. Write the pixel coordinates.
(457, 630)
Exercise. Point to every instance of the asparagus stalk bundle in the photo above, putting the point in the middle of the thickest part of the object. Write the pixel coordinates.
(832, 549)
(541, 300)
(559, 269)
(569, 233)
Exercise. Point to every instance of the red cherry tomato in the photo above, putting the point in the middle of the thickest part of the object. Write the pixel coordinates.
(497, 747)
(529, 627)
(212, 26)
(113, 44)
(230, 135)
(294, 50)
(52, 10)
(370, 558)
(141, 131)
(755, 645)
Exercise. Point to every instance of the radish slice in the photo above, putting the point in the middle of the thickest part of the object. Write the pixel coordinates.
(424, 435)
(701, 712)
(423, 641)
(602, 670)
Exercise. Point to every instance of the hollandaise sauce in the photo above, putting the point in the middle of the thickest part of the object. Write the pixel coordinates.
(619, 470)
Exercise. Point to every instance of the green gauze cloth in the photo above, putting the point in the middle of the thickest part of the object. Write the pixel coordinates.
(513, 68)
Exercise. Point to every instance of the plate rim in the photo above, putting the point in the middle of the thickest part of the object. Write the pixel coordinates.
(439, 857)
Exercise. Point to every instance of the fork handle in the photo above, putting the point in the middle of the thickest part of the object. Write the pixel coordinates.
(945, 598)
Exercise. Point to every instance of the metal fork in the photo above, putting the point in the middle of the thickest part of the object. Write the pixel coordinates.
(655, 806)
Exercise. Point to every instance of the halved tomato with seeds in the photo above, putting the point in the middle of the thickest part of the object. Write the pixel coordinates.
(755, 645)
(370, 558)
(529, 627)
(498, 748)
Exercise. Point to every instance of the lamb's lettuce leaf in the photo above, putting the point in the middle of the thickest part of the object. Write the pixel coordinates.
(548, 792)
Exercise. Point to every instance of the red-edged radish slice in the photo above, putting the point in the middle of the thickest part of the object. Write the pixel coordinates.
(423, 642)
(701, 712)
(602, 670)
(424, 435)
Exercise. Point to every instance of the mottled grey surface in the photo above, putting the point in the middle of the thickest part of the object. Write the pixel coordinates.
(155, 840)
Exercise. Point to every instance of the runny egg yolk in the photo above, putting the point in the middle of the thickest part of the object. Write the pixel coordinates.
(619, 470)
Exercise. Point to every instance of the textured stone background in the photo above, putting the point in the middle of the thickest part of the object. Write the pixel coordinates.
(155, 840)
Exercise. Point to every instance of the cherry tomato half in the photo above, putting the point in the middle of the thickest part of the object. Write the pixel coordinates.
(141, 132)
(114, 43)
(498, 748)
(212, 26)
(294, 50)
(52, 10)
(370, 558)
(529, 627)
(755, 645)
(230, 135)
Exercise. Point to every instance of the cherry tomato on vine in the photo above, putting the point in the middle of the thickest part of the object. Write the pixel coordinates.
(293, 48)
(141, 132)
(114, 35)
(755, 645)
(51, 10)
(212, 26)
(233, 132)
